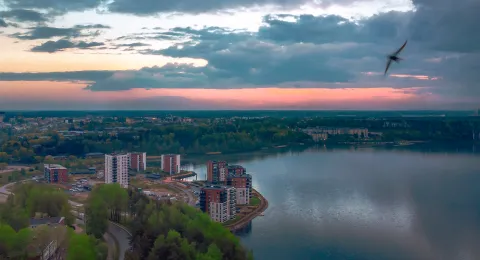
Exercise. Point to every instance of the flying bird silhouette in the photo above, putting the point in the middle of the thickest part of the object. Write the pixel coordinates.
(394, 57)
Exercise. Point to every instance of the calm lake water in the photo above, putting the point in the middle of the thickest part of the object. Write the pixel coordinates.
(364, 204)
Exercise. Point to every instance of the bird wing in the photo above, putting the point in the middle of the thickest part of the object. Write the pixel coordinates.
(388, 66)
(401, 48)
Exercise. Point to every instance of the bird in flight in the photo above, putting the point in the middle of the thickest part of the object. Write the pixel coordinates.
(394, 57)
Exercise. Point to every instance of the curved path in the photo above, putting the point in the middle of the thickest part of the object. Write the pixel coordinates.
(120, 233)
(244, 221)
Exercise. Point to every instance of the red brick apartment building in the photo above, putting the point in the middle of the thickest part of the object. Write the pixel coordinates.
(138, 161)
(55, 173)
(218, 202)
(217, 172)
(243, 188)
(236, 170)
(171, 163)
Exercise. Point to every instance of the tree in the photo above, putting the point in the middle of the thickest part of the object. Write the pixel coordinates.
(96, 217)
(4, 157)
(172, 247)
(3, 166)
(80, 247)
(23, 172)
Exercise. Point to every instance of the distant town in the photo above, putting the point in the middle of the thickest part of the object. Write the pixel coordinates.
(106, 176)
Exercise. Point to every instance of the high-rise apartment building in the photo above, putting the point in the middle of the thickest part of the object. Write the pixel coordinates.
(218, 202)
(171, 163)
(116, 169)
(236, 170)
(54, 173)
(137, 161)
(243, 188)
(2, 116)
(217, 172)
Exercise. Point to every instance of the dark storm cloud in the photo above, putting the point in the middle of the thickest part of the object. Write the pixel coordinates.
(132, 45)
(23, 15)
(88, 76)
(58, 6)
(45, 32)
(148, 7)
(3, 23)
(319, 51)
(61, 45)
(447, 25)
(93, 26)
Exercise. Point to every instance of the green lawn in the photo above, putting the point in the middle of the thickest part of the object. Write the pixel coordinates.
(254, 201)
(231, 221)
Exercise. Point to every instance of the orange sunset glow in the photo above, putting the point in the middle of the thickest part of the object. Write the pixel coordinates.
(242, 98)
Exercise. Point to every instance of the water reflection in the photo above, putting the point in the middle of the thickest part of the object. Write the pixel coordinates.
(334, 203)
(244, 231)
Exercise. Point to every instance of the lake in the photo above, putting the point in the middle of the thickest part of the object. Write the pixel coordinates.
(417, 202)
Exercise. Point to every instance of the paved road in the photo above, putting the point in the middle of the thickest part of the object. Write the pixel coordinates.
(122, 236)
(4, 190)
(191, 198)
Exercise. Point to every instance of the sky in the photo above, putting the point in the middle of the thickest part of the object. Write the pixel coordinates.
(238, 54)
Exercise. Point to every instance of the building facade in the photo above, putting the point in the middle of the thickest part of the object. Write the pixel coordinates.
(171, 163)
(243, 188)
(54, 173)
(236, 170)
(217, 172)
(219, 202)
(116, 169)
(137, 161)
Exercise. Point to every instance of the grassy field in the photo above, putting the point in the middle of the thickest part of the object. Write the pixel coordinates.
(148, 185)
(254, 201)
(231, 221)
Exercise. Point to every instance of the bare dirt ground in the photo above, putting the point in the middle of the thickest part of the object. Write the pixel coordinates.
(13, 168)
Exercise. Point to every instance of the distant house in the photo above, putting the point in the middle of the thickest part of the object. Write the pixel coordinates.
(35, 222)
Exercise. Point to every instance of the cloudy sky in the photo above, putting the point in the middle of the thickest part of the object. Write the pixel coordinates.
(238, 54)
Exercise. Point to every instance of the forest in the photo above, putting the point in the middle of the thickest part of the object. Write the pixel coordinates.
(161, 230)
(19, 241)
(240, 136)
(230, 136)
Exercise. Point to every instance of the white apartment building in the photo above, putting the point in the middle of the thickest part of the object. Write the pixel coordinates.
(116, 169)
(243, 196)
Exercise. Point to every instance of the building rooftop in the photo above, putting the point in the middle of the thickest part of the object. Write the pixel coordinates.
(235, 166)
(54, 166)
(117, 154)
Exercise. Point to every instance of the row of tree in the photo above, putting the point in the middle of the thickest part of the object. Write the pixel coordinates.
(19, 241)
(161, 230)
(236, 136)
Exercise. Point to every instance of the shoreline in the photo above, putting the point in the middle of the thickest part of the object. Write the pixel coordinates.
(255, 213)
